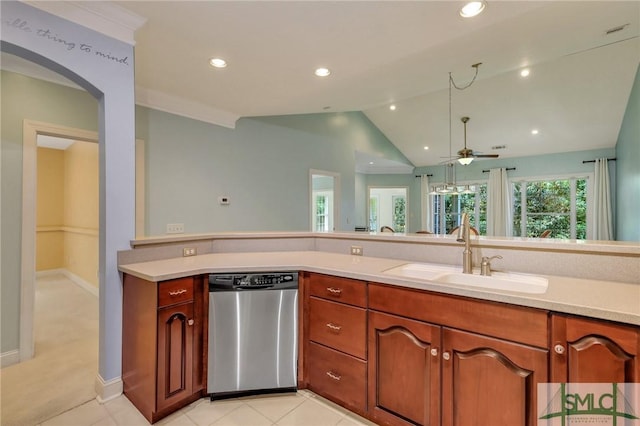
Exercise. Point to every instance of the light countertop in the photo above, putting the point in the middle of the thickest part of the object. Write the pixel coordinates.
(614, 301)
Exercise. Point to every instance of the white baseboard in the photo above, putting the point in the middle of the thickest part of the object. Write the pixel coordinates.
(9, 358)
(73, 277)
(106, 391)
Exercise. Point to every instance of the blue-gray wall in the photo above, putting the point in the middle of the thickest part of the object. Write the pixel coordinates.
(262, 166)
(628, 169)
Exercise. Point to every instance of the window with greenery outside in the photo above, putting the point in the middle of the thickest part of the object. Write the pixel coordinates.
(542, 205)
(399, 213)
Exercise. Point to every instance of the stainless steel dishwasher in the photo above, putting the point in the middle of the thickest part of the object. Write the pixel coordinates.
(253, 333)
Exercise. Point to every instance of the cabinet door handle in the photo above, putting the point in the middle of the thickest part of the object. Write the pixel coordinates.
(559, 349)
(434, 352)
(334, 327)
(446, 356)
(191, 322)
(334, 291)
(334, 376)
(178, 292)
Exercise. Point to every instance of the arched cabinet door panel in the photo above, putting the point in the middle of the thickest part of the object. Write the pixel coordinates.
(591, 351)
(404, 373)
(480, 373)
(175, 354)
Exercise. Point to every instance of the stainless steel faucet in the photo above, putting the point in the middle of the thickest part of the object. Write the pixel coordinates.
(464, 236)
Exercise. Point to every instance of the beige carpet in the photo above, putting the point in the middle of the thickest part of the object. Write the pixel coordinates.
(62, 373)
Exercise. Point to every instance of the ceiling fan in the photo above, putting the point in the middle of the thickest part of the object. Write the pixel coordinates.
(466, 155)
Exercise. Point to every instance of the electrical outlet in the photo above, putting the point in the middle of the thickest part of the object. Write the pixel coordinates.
(189, 251)
(356, 250)
(175, 228)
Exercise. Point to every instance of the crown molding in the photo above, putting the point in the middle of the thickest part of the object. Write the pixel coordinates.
(104, 17)
(183, 107)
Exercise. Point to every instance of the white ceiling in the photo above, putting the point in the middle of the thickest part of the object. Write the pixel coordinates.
(399, 52)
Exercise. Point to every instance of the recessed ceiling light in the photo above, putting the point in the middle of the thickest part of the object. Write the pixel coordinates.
(218, 62)
(322, 72)
(426, 148)
(472, 9)
(371, 162)
(535, 131)
(392, 107)
(525, 72)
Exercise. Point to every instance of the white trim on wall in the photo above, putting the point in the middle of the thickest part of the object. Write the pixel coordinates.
(85, 285)
(108, 390)
(9, 358)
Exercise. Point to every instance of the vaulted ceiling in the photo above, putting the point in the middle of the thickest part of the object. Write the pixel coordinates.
(396, 52)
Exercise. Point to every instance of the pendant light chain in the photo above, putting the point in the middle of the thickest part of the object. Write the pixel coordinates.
(450, 176)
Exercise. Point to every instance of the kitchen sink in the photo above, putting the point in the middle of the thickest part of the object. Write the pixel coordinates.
(522, 283)
(421, 271)
(451, 275)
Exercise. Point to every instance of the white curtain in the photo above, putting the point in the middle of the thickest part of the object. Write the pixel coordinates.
(602, 221)
(427, 220)
(499, 221)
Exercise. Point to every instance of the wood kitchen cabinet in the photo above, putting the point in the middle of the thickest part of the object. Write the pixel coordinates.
(423, 371)
(404, 370)
(164, 357)
(594, 351)
(335, 322)
(487, 381)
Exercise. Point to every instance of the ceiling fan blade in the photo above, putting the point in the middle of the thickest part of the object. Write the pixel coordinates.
(486, 155)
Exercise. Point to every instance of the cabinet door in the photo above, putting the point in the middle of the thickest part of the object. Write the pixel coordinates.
(487, 381)
(175, 354)
(590, 351)
(404, 379)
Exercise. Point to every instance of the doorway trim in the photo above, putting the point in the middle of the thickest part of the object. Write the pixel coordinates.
(30, 131)
(336, 197)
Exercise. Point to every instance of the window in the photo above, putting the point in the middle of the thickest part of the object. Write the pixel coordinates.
(399, 204)
(374, 212)
(322, 209)
(558, 205)
(448, 209)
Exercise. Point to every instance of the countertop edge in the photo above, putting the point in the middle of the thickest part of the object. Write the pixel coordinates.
(557, 298)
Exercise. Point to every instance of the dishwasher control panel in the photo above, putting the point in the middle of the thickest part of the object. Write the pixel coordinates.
(253, 281)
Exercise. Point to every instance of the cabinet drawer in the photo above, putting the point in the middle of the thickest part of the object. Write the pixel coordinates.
(338, 326)
(337, 376)
(175, 291)
(342, 290)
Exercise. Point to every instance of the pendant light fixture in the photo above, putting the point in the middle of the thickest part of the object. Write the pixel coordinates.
(450, 187)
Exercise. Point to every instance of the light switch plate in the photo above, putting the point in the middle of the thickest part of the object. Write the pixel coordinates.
(175, 228)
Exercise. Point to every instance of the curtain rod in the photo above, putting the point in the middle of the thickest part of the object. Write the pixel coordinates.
(508, 168)
(422, 175)
(593, 161)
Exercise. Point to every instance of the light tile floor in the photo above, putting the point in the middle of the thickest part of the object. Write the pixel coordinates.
(303, 408)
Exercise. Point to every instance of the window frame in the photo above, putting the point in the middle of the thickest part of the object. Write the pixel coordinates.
(439, 213)
(587, 176)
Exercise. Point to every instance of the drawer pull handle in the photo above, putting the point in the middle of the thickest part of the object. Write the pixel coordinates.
(446, 356)
(334, 291)
(334, 327)
(190, 322)
(334, 376)
(178, 292)
(559, 349)
(434, 352)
